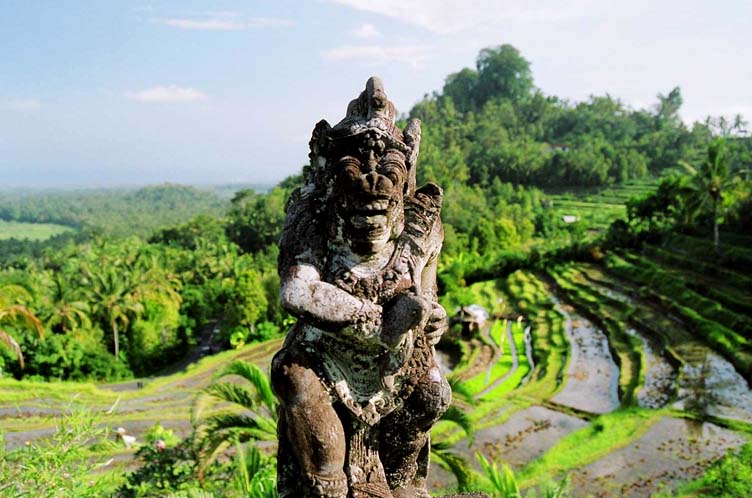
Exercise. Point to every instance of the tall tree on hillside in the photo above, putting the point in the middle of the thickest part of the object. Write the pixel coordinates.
(709, 181)
(667, 109)
(503, 73)
(461, 88)
(256, 220)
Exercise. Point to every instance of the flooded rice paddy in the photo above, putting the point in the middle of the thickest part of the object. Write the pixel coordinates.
(660, 375)
(672, 451)
(592, 376)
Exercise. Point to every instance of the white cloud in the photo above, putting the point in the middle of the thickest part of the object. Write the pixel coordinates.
(450, 16)
(225, 21)
(366, 31)
(168, 93)
(414, 55)
(23, 105)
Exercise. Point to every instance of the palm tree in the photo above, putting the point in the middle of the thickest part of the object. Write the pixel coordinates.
(111, 295)
(64, 312)
(708, 183)
(252, 415)
(14, 312)
(118, 293)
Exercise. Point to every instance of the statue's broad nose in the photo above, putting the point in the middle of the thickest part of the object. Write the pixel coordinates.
(371, 180)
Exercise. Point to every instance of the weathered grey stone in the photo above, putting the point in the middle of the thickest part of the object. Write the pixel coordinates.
(357, 381)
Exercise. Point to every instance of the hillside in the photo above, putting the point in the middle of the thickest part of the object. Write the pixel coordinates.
(115, 212)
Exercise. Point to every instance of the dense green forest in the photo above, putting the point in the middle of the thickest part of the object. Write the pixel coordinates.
(599, 204)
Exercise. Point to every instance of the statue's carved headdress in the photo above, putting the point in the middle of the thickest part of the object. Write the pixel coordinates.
(368, 124)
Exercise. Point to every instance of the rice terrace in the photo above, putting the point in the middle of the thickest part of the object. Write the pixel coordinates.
(593, 253)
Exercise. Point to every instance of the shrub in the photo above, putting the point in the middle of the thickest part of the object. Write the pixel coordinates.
(60, 465)
(731, 476)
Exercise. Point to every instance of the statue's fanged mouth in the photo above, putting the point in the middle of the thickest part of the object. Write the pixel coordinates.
(371, 210)
(374, 208)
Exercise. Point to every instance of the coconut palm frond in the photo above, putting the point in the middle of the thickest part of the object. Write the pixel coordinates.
(688, 168)
(438, 446)
(249, 460)
(14, 294)
(244, 426)
(201, 403)
(257, 377)
(462, 419)
(11, 343)
(460, 389)
(252, 416)
(502, 481)
(223, 430)
(233, 393)
(20, 313)
(457, 465)
(211, 446)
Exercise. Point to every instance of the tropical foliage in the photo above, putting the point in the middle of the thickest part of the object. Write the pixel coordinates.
(537, 191)
(251, 416)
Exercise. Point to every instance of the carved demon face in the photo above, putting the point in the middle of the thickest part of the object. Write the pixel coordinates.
(369, 188)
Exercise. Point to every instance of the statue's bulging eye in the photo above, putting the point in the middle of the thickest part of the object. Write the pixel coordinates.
(394, 170)
(349, 165)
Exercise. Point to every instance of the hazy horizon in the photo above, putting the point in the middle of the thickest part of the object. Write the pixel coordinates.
(260, 186)
(105, 94)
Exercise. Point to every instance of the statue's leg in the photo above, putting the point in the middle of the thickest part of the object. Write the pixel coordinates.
(313, 431)
(405, 444)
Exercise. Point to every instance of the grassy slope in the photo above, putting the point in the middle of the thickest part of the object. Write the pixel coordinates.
(165, 398)
(597, 208)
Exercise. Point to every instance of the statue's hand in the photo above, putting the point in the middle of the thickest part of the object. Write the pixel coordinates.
(401, 314)
(368, 321)
(437, 324)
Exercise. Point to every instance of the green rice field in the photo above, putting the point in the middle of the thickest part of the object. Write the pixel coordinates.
(30, 231)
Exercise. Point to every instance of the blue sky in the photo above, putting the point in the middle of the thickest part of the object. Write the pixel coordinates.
(133, 92)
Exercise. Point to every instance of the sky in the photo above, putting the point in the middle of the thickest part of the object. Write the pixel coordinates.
(116, 92)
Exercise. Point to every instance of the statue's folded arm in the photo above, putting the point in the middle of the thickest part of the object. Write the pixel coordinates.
(330, 308)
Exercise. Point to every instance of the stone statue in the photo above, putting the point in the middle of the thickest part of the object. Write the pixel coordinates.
(357, 381)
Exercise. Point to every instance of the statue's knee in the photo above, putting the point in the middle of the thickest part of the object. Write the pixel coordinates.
(434, 395)
(294, 383)
(278, 375)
